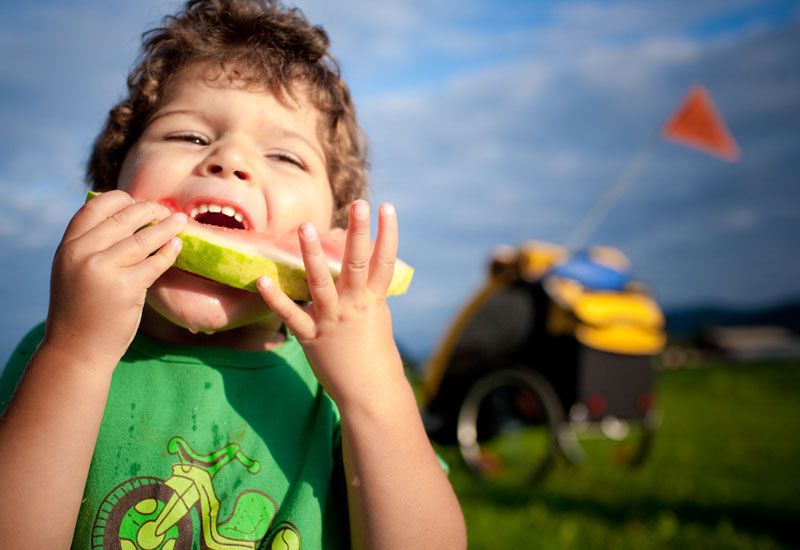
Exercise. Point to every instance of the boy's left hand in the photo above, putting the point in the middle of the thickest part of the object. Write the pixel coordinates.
(346, 331)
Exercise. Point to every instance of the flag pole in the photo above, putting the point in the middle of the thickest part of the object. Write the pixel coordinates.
(612, 195)
(695, 124)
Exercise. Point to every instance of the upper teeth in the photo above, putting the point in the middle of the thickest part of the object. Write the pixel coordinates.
(227, 210)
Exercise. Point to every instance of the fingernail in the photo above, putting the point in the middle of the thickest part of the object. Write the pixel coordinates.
(176, 243)
(388, 209)
(308, 231)
(361, 210)
(264, 282)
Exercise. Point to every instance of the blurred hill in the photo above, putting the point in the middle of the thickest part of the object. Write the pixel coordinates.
(686, 323)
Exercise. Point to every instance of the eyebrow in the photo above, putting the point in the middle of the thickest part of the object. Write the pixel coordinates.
(280, 131)
(161, 114)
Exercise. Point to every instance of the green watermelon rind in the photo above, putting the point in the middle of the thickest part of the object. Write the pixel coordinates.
(238, 269)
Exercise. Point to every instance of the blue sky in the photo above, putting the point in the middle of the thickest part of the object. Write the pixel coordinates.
(489, 123)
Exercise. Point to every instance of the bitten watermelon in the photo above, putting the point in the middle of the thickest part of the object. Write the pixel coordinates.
(238, 258)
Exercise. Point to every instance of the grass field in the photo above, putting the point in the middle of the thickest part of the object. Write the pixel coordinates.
(723, 473)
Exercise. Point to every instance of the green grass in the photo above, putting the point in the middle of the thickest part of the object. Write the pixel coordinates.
(724, 472)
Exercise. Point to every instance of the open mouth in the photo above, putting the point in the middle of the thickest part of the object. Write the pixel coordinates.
(220, 216)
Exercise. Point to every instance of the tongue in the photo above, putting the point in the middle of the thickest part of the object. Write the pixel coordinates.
(219, 219)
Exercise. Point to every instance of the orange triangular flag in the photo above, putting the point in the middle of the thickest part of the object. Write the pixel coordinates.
(697, 124)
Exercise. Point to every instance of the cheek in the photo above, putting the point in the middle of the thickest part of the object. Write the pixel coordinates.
(129, 174)
(326, 210)
(319, 207)
(144, 179)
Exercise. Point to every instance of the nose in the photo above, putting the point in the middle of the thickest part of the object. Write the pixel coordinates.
(227, 161)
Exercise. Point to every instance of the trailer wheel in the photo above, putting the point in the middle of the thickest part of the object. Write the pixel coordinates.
(508, 427)
(617, 442)
(634, 450)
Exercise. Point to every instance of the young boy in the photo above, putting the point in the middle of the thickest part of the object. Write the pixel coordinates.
(158, 409)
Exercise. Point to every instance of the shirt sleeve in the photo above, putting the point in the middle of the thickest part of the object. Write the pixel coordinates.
(16, 364)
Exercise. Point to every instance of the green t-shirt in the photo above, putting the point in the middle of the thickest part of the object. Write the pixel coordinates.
(210, 448)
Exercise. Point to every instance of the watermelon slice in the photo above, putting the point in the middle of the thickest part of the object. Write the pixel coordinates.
(238, 258)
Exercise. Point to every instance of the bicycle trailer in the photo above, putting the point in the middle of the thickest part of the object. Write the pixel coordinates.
(550, 340)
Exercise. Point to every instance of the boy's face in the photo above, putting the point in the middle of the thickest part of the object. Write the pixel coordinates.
(217, 143)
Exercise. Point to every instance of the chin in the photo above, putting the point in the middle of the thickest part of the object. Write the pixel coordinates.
(201, 305)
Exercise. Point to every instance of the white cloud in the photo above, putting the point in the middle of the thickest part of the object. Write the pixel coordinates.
(740, 219)
(528, 146)
(488, 123)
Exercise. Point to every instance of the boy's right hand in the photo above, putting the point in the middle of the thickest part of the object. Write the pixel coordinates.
(101, 272)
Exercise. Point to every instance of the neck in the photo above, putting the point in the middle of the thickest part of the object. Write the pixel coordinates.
(264, 335)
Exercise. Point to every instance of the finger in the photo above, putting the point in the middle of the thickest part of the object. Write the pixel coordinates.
(355, 264)
(143, 243)
(293, 316)
(381, 267)
(318, 274)
(96, 211)
(126, 222)
(151, 268)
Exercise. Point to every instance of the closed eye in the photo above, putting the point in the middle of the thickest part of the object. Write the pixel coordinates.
(285, 156)
(194, 139)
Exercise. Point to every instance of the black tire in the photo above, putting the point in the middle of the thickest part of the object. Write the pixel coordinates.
(583, 444)
(644, 444)
(126, 496)
(508, 426)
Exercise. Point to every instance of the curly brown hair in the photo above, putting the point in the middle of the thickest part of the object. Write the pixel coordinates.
(260, 42)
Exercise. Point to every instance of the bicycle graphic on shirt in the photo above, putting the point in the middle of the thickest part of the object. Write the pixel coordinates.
(147, 513)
